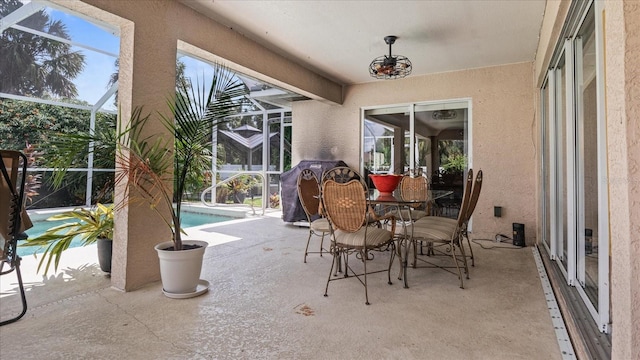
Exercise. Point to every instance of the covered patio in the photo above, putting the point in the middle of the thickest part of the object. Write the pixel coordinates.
(265, 303)
(556, 159)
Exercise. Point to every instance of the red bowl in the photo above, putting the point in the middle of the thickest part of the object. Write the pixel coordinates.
(385, 183)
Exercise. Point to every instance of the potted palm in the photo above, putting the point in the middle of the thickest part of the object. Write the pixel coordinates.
(157, 169)
(93, 225)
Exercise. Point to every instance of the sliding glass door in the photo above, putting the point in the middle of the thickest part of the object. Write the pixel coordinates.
(417, 136)
(575, 217)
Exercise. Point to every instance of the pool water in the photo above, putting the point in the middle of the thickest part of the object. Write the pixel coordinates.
(189, 219)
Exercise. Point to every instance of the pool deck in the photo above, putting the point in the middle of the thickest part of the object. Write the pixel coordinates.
(265, 303)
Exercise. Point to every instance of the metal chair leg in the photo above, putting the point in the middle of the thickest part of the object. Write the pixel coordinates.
(23, 295)
(464, 257)
(306, 249)
(391, 258)
(473, 259)
(455, 259)
(364, 261)
(335, 255)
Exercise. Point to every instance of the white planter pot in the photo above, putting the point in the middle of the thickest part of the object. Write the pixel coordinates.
(180, 270)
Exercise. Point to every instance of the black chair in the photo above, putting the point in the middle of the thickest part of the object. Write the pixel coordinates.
(13, 168)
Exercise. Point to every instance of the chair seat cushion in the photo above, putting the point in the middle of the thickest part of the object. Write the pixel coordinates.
(442, 219)
(438, 223)
(320, 225)
(374, 236)
(404, 214)
(431, 232)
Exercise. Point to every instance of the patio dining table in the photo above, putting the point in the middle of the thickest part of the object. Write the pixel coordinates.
(399, 201)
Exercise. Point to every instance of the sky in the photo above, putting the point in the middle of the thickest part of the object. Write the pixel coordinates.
(92, 82)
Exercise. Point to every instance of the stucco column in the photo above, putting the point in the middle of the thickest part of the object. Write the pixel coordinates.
(148, 51)
(622, 39)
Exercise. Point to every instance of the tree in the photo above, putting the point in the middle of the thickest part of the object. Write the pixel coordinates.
(37, 127)
(181, 80)
(33, 65)
(447, 149)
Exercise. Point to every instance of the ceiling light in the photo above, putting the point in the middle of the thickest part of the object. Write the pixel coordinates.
(390, 67)
(444, 114)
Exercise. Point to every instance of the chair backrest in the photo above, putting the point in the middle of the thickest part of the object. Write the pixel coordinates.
(415, 188)
(465, 198)
(475, 194)
(12, 179)
(345, 204)
(309, 193)
(342, 174)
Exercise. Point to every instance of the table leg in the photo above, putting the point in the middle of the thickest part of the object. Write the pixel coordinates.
(405, 261)
(403, 241)
(407, 245)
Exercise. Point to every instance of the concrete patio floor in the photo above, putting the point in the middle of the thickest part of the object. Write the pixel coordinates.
(265, 303)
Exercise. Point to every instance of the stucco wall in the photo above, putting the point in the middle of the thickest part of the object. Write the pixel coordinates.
(622, 39)
(503, 134)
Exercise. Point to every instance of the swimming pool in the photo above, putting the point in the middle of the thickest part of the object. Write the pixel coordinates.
(189, 219)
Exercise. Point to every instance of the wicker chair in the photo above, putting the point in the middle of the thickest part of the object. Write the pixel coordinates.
(448, 221)
(12, 181)
(415, 187)
(309, 195)
(469, 209)
(438, 234)
(344, 174)
(345, 205)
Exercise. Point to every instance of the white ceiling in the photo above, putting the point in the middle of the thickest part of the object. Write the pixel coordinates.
(338, 39)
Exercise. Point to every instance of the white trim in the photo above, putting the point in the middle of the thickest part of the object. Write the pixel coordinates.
(553, 167)
(113, 30)
(20, 14)
(580, 161)
(52, 102)
(469, 139)
(543, 173)
(603, 190)
(63, 40)
(571, 163)
(412, 137)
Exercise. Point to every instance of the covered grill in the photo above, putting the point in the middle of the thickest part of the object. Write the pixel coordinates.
(292, 210)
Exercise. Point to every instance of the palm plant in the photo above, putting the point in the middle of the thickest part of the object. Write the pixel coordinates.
(151, 164)
(148, 163)
(88, 225)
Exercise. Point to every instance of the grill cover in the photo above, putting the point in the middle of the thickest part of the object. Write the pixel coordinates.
(292, 210)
